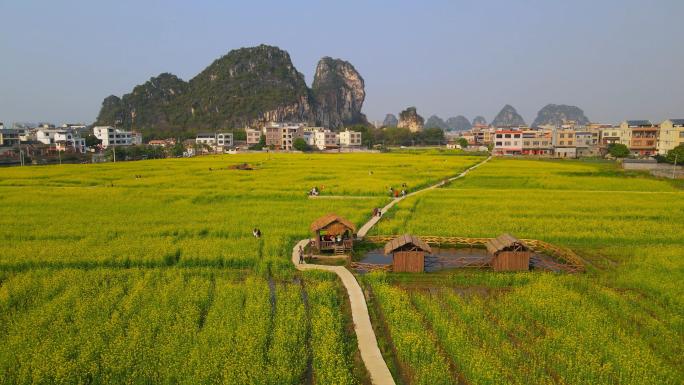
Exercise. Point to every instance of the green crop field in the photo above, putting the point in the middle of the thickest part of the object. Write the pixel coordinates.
(147, 272)
(620, 322)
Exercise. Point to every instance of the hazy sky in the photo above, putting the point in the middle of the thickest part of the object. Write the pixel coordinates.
(615, 59)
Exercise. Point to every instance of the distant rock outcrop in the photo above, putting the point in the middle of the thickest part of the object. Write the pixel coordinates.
(248, 86)
(508, 116)
(557, 114)
(338, 91)
(390, 121)
(435, 121)
(479, 120)
(459, 123)
(410, 119)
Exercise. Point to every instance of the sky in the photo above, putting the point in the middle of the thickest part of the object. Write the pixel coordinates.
(615, 59)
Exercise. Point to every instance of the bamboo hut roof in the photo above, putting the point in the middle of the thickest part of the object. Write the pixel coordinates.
(406, 239)
(503, 242)
(328, 219)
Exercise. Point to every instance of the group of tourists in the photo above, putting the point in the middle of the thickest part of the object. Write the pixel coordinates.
(377, 212)
(314, 192)
(398, 193)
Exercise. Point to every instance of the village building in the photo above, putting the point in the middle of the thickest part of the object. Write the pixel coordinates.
(508, 253)
(671, 135)
(215, 140)
(111, 136)
(536, 142)
(281, 136)
(587, 143)
(508, 142)
(326, 139)
(564, 143)
(253, 136)
(61, 139)
(349, 138)
(643, 137)
(170, 142)
(408, 253)
(9, 137)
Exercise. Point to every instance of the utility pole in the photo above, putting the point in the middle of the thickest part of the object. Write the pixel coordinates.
(114, 151)
(674, 167)
(59, 154)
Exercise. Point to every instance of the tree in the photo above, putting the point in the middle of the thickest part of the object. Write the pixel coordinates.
(300, 144)
(463, 142)
(618, 150)
(430, 136)
(678, 153)
(177, 150)
(92, 141)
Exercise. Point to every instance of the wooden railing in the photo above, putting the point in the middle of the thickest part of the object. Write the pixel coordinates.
(570, 261)
(369, 267)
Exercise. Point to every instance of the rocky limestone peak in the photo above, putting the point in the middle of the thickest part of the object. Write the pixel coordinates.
(338, 92)
(508, 116)
(480, 120)
(390, 121)
(410, 119)
(558, 114)
(435, 121)
(459, 123)
(247, 86)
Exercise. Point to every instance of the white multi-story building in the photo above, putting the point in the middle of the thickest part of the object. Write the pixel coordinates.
(350, 138)
(68, 140)
(326, 139)
(215, 139)
(62, 139)
(508, 142)
(111, 136)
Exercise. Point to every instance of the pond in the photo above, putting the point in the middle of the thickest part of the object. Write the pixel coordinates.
(457, 257)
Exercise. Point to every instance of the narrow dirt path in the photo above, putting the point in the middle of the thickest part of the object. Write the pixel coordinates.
(368, 344)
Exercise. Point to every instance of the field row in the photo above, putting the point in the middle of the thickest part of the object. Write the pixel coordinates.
(171, 326)
(553, 330)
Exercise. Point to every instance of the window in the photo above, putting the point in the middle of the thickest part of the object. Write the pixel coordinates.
(681, 134)
(498, 144)
(516, 136)
(507, 143)
(562, 135)
(562, 142)
(507, 136)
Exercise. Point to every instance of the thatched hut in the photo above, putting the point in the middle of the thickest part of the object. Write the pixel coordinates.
(332, 232)
(509, 253)
(408, 253)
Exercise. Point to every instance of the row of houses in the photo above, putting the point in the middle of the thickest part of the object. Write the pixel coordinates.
(282, 136)
(571, 140)
(71, 138)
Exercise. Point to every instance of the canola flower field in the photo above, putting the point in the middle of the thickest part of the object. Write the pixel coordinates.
(147, 272)
(621, 322)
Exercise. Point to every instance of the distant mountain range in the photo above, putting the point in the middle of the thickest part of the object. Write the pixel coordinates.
(248, 86)
(551, 114)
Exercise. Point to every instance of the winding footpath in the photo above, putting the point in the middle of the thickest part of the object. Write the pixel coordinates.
(365, 336)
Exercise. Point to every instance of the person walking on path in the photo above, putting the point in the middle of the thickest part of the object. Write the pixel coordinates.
(301, 255)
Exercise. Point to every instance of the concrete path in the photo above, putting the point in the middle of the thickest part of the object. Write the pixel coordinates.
(369, 225)
(365, 336)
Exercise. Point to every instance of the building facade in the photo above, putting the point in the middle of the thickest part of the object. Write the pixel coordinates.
(281, 136)
(326, 139)
(111, 136)
(350, 138)
(536, 142)
(508, 142)
(671, 135)
(253, 136)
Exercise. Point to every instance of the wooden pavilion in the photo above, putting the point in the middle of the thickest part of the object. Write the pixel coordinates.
(332, 232)
(408, 253)
(509, 253)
